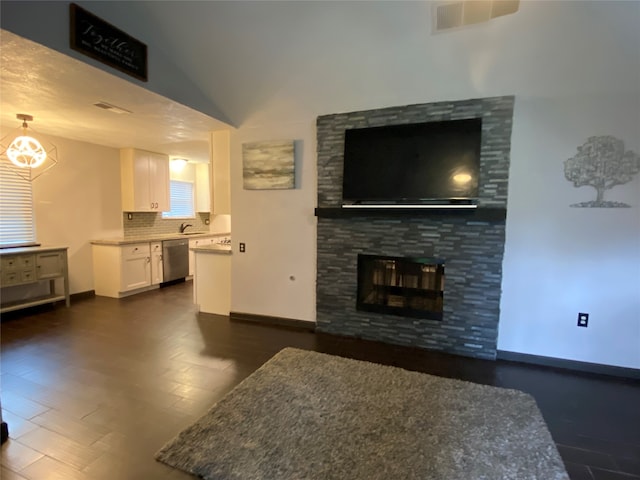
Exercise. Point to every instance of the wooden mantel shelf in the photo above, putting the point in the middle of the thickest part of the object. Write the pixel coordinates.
(480, 213)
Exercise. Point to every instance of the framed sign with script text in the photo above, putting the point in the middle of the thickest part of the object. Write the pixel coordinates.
(101, 41)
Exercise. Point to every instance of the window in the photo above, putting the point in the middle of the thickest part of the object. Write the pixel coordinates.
(181, 195)
(17, 226)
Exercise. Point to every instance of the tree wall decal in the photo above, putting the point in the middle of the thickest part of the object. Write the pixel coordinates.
(601, 163)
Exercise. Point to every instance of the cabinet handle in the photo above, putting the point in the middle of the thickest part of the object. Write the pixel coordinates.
(148, 259)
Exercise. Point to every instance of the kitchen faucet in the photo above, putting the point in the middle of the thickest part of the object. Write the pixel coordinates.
(184, 226)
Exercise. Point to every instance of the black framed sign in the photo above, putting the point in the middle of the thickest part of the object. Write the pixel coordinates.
(101, 41)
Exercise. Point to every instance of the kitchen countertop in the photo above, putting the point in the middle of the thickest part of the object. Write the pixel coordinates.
(219, 249)
(158, 237)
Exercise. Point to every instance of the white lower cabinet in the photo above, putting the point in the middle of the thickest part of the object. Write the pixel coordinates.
(156, 263)
(136, 267)
(121, 269)
(200, 242)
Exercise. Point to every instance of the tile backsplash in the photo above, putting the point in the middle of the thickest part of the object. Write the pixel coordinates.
(151, 223)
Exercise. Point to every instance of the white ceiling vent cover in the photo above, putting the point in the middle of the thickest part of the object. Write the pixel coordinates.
(448, 15)
(111, 108)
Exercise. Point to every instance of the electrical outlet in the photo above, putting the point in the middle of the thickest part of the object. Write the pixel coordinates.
(242, 247)
(583, 319)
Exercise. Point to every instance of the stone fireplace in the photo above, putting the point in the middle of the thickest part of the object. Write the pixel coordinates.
(403, 286)
(470, 243)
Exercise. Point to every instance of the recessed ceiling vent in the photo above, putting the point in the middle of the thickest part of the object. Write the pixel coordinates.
(450, 15)
(111, 108)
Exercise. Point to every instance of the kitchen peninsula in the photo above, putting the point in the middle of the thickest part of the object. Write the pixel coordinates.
(212, 278)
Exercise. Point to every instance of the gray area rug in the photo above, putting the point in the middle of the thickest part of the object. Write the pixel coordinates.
(307, 415)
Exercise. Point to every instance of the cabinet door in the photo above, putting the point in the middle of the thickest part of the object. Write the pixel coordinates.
(50, 265)
(156, 264)
(220, 179)
(142, 182)
(203, 188)
(135, 267)
(159, 182)
(135, 273)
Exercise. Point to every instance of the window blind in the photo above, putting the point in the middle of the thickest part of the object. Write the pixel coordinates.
(17, 226)
(181, 194)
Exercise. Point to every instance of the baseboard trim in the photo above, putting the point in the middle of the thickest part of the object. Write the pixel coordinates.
(276, 321)
(624, 372)
(82, 295)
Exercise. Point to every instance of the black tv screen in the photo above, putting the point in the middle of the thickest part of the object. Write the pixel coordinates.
(412, 164)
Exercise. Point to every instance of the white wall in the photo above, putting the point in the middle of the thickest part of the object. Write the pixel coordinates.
(276, 274)
(561, 260)
(77, 201)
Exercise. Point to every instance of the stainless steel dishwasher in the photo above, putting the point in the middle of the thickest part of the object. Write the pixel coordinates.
(175, 259)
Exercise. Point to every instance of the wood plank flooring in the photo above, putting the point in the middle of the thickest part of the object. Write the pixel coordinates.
(91, 392)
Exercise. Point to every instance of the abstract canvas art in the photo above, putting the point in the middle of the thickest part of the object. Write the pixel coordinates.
(268, 165)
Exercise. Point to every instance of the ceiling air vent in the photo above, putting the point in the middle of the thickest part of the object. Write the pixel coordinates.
(450, 15)
(111, 108)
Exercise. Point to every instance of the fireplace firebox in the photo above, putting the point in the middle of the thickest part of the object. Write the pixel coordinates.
(405, 286)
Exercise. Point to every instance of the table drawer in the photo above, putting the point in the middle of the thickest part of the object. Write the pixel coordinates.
(17, 262)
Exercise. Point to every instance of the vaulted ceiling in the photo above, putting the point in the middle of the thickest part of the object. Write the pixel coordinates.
(240, 57)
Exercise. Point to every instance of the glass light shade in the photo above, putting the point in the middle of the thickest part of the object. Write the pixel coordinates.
(26, 152)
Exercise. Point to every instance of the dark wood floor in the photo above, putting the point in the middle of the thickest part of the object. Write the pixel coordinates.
(91, 392)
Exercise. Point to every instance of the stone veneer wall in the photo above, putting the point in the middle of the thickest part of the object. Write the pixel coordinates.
(472, 249)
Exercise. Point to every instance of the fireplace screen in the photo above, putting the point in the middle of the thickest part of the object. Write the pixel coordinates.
(410, 287)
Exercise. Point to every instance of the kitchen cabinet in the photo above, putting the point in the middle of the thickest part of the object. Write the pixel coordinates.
(135, 267)
(221, 172)
(199, 242)
(144, 180)
(203, 188)
(31, 268)
(156, 263)
(119, 271)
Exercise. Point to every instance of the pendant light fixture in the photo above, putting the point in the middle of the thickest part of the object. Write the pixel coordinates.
(26, 152)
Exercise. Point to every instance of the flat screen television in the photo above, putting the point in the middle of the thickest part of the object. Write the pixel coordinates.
(412, 164)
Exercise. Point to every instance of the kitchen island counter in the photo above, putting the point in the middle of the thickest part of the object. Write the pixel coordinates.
(215, 249)
(212, 279)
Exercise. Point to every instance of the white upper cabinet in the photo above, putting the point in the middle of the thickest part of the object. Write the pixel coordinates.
(220, 178)
(145, 181)
(203, 188)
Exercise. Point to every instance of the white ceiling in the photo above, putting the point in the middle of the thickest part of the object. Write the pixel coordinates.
(60, 93)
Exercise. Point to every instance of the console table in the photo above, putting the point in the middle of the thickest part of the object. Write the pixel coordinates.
(24, 267)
